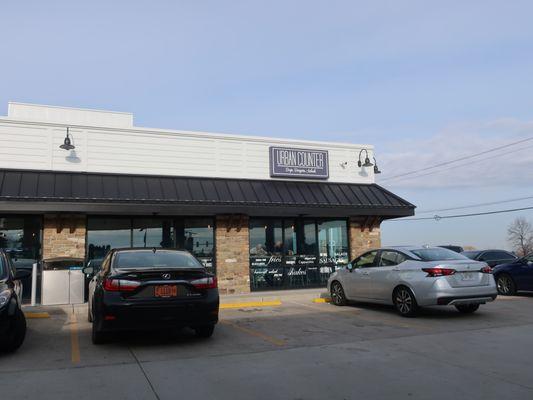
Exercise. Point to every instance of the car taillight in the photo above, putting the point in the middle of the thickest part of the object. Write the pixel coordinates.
(205, 283)
(120, 285)
(438, 271)
(486, 270)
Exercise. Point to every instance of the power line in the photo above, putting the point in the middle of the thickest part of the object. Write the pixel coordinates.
(438, 217)
(459, 159)
(462, 165)
(476, 205)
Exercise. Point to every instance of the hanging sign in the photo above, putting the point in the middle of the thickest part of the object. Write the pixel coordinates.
(299, 163)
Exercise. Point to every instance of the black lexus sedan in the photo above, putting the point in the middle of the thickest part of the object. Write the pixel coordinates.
(12, 321)
(146, 289)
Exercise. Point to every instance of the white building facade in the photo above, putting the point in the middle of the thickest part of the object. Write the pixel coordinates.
(262, 213)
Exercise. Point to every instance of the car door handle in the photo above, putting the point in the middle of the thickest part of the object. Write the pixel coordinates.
(396, 269)
(366, 273)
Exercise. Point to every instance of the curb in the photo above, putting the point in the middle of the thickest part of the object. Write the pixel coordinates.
(250, 304)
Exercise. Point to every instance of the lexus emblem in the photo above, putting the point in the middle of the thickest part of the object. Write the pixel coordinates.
(165, 276)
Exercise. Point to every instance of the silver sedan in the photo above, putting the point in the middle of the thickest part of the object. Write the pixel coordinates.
(413, 277)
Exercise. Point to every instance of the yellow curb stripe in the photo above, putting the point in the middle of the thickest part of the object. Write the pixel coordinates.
(251, 304)
(36, 315)
(321, 300)
(257, 334)
(74, 340)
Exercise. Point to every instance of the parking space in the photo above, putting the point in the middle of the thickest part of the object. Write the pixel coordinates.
(298, 349)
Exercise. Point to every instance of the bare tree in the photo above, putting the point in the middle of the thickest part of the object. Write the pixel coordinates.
(520, 235)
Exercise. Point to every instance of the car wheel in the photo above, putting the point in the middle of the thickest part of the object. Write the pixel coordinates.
(337, 294)
(204, 331)
(16, 332)
(467, 308)
(405, 302)
(505, 285)
(97, 335)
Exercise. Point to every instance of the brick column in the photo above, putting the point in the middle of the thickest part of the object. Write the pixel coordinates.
(363, 240)
(64, 236)
(232, 254)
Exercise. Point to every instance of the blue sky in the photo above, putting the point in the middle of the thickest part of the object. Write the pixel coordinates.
(423, 81)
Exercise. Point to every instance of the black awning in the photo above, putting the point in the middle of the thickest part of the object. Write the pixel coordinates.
(38, 191)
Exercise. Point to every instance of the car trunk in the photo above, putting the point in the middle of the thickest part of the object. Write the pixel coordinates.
(162, 284)
(467, 273)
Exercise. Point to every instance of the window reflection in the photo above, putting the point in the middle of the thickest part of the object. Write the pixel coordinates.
(150, 232)
(21, 238)
(104, 234)
(198, 236)
(333, 241)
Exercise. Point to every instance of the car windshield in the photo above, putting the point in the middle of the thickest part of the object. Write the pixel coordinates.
(155, 259)
(438, 254)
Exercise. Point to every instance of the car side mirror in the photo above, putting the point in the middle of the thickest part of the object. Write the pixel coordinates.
(350, 267)
(88, 270)
(22, 273)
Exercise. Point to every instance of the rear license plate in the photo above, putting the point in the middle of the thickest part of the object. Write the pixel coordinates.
(166, 291)
(468, 276)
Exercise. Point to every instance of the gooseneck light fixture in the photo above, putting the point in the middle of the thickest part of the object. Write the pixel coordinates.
(367, 162)
(67, 143)
(376, 169)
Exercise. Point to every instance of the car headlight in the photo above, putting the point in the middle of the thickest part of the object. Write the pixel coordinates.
(4, 297)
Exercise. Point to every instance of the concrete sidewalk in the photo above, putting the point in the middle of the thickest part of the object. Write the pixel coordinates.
(241, 300)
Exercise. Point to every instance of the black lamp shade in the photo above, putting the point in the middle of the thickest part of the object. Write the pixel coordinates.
(67, 144)
(367, 162)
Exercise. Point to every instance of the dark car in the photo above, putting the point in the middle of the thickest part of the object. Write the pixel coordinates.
(145, 289)
(12, 321)
(491, 257)
(457, 249)
(514, 276)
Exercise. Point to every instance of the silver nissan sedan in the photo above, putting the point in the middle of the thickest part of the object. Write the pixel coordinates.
(413, 277)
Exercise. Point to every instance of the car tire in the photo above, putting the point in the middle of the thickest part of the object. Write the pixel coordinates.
(97, 335)
(467, 308)
(15, 334)
(405, 302)
(338, 297)
(204, 331)
(505, 285)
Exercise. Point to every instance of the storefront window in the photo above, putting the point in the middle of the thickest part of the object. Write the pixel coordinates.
(293, 253)
(21, 238)
(104, 234)
(153, 232)
(193, 234)
(333, 241)
(198, 238)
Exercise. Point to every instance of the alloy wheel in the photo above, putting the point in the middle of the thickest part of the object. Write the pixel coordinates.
(404, 301)
(504, 285)
(337, 294)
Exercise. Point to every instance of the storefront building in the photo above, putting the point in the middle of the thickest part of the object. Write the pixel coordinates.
(261, 213)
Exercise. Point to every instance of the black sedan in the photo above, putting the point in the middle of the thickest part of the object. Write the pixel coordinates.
(514, 276)
(491, 257)
(12, 321)
(145, 289)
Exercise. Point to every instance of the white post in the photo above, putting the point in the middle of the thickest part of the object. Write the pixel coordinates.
(34, 284)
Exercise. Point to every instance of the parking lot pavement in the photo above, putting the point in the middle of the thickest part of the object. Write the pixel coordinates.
(296, 350)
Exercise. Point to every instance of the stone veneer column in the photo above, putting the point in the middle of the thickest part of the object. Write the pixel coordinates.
(232, 253)
(363, 240)
(64, 236)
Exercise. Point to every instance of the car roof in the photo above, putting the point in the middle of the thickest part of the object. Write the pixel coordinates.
(119, 249)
